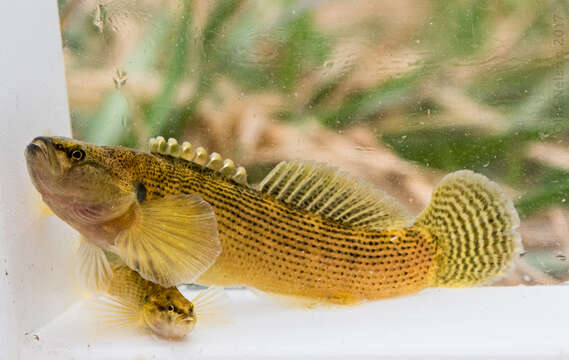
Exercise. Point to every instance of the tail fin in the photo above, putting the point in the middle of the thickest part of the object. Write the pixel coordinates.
(474, 224)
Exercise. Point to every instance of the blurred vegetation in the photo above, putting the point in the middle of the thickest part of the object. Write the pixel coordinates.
(446, 85)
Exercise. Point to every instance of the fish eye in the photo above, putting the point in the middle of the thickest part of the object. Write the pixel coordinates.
(77, 154)
(170, 308)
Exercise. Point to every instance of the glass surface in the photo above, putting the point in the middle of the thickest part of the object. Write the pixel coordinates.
(395, 93)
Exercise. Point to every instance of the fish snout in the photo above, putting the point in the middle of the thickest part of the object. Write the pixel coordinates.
(38, 147)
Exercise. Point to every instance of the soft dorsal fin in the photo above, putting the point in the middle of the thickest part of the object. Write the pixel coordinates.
(227, 168)
(335, 195)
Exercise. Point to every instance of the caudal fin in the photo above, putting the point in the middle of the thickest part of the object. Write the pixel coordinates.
(474, 224)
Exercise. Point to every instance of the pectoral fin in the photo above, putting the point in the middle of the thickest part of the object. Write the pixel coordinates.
(92, 266)
(172, 241)
(211, 306)
(115, 312)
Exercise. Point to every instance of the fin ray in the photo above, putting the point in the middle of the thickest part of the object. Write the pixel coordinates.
(92, 266)
(475, 225)
(334, 195)
(173, 240)
(115, 312)
(211, 305)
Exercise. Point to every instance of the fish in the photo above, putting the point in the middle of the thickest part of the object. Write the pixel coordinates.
(307, 231)
(168, 240)
(131, 301)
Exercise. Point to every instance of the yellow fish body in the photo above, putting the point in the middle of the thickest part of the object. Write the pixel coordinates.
(307, 231)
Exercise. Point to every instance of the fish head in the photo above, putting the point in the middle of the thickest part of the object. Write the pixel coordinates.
(80, 182)
(169, 314)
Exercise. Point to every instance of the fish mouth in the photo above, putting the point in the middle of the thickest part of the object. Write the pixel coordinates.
(41, 149)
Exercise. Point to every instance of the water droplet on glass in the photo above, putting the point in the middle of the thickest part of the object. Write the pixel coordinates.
(99, 17)
(487, 164)
(120, 79)
(526, 278)
(561, 257)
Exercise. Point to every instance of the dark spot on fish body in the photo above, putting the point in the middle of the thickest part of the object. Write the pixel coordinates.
(140, 192)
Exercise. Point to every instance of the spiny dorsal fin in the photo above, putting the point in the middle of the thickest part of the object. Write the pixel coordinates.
(227, 168)
(332, 194)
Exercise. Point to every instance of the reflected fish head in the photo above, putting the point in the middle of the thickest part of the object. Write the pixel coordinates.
(168, 314)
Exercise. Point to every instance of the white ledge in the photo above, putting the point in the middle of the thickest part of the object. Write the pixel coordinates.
(496, 322)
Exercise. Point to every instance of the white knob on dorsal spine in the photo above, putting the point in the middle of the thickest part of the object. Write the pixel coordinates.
(240, 175)
(201, 156)
(152, 145)
(215, 161)
(228, 168)
(188, 152)
(161, 144)
(172, 147)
